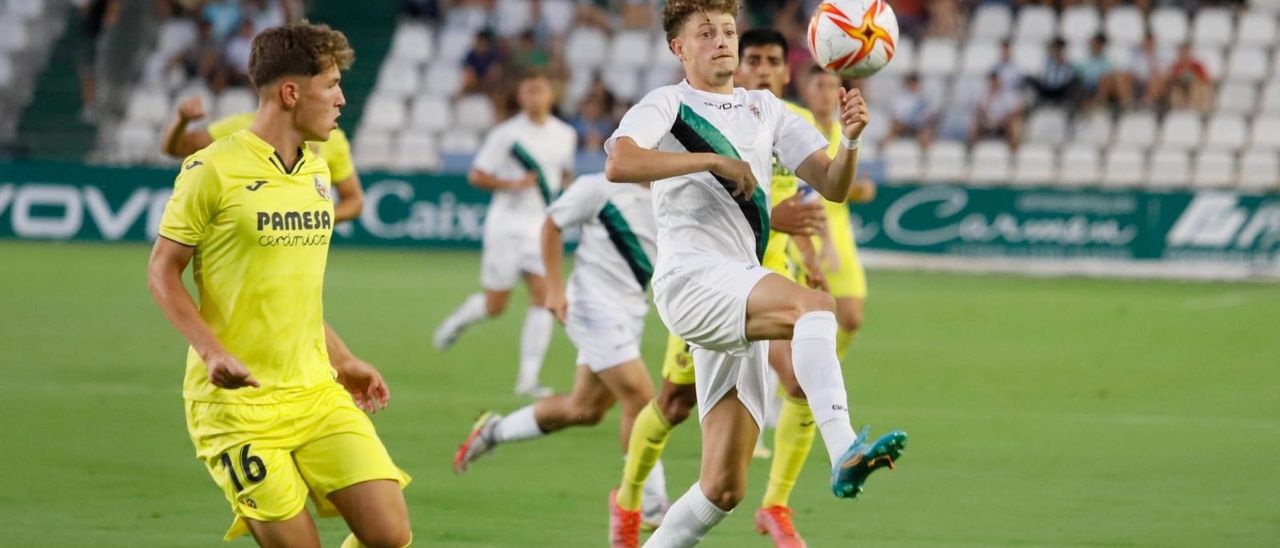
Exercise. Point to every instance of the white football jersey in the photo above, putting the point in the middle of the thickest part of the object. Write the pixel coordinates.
(514, 148)
(614, 261)
(697, 214)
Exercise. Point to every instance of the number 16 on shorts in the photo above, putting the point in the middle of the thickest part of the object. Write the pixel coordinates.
(252, 469)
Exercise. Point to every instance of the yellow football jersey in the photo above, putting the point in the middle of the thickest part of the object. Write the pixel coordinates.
(336, 151)
(261, 238)
(784, 186)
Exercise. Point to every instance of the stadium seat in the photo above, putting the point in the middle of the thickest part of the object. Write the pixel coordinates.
(136, 142)
(470, 17)
(658, 75)
(1080, 165)
(6, 71)
(1247, 64)
(1226, 132)
(1079, 23)
(1236, 98)
(978, 58)
(938, 57)
(1213, 60)
(474, 112)
(1169, 26)
(1180, 131)
(416, 151)
(629, 49)
(1257, 28)
(1034, 165)
(13, 34)
(1124, 25)
(1029, 57)
(176, 34)
(1035, 24)
(1213, 170)
(1169, 169)
(1270, 100)
(1136, 129)
(148, 106)
(1123, 167)
(586, 47)
(398, 77)
(623, 82)
(430, 113)
(1212, 27)
(385, 112)
(235, 101)
(512, 17)
(558, 15)
(990, 164)
(902, 160)
(660, 53)
(1259, 170)
(412, 42)
(1265, 6)
(1047, 125)
(875, 132)
(372, 149)
(442, 78)
(1266, 133)
(883, 88)
(904, 59)
(459, 142)
(26, 9)
(991, 22)
(946, 162)
(453, 44)
(1093, 129)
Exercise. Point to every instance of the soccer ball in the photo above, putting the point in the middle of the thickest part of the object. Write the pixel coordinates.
(853, 38)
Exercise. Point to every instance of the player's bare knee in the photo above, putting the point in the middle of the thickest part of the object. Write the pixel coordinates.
(793, 390)
(724, 491)
(814, 301)
(589, 415)
(495, 304)
(386, 535)
(850, 318)
(677, 406)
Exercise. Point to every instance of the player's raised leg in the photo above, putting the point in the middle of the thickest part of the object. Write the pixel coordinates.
(376, 513)
(296, 532)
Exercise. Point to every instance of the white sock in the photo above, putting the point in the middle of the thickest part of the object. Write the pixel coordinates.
(534, 340)
(813, 355)
(687, 521)
(518, 426)
(655, 486)
(773, 405)
(471, 311)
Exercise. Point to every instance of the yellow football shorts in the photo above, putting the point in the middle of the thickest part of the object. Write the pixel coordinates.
(268, 459)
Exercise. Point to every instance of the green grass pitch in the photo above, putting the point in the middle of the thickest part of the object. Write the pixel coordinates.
(1042, 412)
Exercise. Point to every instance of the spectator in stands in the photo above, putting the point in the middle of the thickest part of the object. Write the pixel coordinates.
(224, 15)
(911, 17)
(1011, 77)
(998, 114)
(1057, 82)
(1145, 70)
(526, 55)
(235, 59)
(912, 113)
(1187, 84)
(594, 123)
(425, 10)
(264, 15)
(201, 58)
(96, 15)
(944, 18)
(1100, 82)
(480, 69)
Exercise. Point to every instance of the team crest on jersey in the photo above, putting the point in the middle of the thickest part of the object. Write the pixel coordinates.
(248, 501)
(755, 111)
(321, 188)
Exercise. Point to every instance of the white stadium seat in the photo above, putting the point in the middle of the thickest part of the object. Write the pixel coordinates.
(413, 42)
(902, 160)
(1124, 167)
(442, 78)
(630, 49)
(235, 101)
(875, 131)
(13, 34)
(1266, 133)
(1079, 23)
(399, 77)
(978, 58)
(1181, 130)
(430, 113)
(991, 22)
(883, 88)
(1136, 129)
(416, 151)
(904, 58)
(1226, 132)
(372, 149)
(660, 53)
(1236, 98)
(946, 162)
(1257, 28)
(454, 44)
(6, 71)
(938, 57)
(136, 142)
(26, 9)
(1212, 27)
(1169, 25)
(658, 75)
(1169, 169)
(1247, 64)
(1047, 125)
(1213, 170)
(1035, 24)
(990, 164)
(1125, 25)
(1213, 59)
(385, 112)
(512, 17)
(474, 112)
(459, 142)
(1259, 170)
(1093, 129)
(1080, 165)
(1271, 96)
(586, 47)
(149, 106)
(1033, 165)
(1029, 57)
(623, 82)
(1265, 6)
(558, 15)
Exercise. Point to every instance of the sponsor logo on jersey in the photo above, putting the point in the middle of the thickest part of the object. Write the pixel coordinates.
(270, 221)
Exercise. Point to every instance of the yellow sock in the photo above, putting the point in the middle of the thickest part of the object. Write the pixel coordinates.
(844, 339)
(648, 439)
(352, 542)
(791, 443)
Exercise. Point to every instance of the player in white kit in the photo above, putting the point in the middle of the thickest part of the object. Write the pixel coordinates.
(705, 144)
(603, 312)
(524, 162)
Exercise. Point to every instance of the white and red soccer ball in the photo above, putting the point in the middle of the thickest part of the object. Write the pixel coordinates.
(853, 38)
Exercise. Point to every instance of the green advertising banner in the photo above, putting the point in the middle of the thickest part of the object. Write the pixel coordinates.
(78, 202)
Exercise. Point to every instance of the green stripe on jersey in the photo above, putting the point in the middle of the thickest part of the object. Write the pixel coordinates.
(628, 244)
(530, 164)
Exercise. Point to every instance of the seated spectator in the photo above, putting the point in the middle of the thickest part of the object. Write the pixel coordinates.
(998, 114)
(264, 14)
(426, 10)
(480, 68)
(593, 123)
(235, 59)
(526, 55)
(944, 18)
(1057, 83)
(1100, 83)
(1186, 84)
(223, 15)
(200, 58)
(1011, 77)
(1146, 70)
(912, 113)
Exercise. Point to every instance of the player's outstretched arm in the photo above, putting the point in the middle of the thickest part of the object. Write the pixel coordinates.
(164, 279)
(362, 380)
(832, 178)
(553, 262)
(630, 163)
(487, 181)
(180, 143)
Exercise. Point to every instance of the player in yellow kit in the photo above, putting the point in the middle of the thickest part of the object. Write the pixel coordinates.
(271, 391)
(180, 142)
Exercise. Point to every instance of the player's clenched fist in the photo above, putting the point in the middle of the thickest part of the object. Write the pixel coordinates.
(225, 371)
(853, 112)
(191, 108)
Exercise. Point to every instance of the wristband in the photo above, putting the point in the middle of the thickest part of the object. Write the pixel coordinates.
(851, 144)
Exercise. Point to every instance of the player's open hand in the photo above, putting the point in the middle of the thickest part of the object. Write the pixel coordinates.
(853, 113)
(559, 306)
(739, 172)
(225, 371)
(813, 276)
(365, 384)
(191, 108)
(792, 216)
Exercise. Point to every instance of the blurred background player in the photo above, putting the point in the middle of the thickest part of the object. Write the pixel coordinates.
(180, 142)
(523, 161)
(271, 391)
(603, 312)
